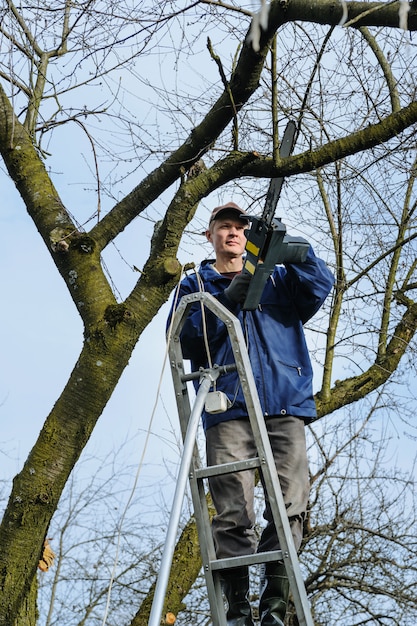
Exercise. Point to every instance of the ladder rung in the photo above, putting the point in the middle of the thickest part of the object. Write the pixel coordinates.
(227, 468)
(248, 559)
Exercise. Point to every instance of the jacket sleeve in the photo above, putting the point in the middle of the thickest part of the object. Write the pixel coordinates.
(192, 334)
(309, 284)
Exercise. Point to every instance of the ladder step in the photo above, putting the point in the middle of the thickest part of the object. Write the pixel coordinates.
(227, 468)
(248, 559)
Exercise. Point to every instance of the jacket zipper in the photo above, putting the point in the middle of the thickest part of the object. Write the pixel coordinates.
(295, 367)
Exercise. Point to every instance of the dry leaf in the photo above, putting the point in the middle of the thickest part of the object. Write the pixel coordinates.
(48, 557)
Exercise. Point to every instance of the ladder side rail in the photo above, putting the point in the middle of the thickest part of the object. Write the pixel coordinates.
(208, 551)
(262, 442)
(183, 406)
(269, 473)
(177, 366)
(198, 495)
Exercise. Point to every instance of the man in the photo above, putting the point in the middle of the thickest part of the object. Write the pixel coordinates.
(283, 376)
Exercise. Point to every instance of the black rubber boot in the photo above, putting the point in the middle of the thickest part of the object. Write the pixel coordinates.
(235, 585)
(273, 595)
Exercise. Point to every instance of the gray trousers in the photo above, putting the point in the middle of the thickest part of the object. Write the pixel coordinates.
(233, 494)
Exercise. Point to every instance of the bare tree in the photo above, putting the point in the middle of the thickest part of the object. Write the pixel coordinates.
(357, 555)
(359, 544)
(351, 179)
(95, 542)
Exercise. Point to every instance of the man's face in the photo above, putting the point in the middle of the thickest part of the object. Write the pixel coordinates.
(227, 236)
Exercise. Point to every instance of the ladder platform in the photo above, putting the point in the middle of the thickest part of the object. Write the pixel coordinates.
(227, 468)
(248, 559)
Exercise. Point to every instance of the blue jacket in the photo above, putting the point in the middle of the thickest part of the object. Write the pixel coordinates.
(274, 333)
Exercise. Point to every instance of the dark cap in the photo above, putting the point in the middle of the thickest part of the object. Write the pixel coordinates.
(230, 207)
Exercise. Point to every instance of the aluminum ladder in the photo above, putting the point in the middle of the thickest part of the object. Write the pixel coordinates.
(191, 470)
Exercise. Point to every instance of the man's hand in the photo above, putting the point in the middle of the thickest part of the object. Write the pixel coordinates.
(238, 288)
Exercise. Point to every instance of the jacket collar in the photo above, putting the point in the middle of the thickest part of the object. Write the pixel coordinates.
(208, 272)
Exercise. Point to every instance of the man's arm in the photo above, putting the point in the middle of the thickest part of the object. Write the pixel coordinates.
(309, 284)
